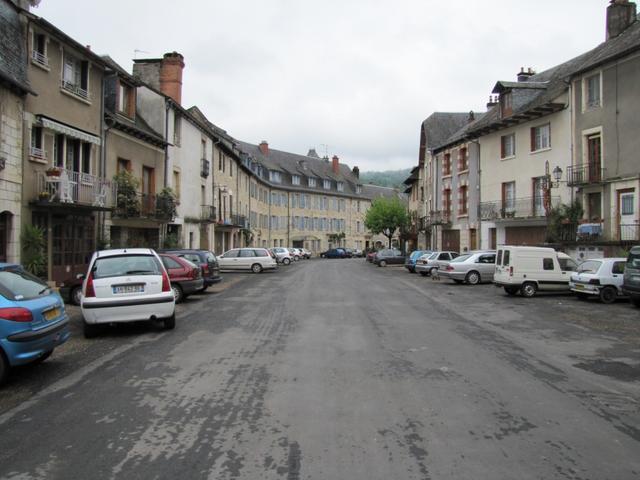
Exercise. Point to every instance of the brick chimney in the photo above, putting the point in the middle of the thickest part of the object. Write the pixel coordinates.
(164, 74)
(264, 147)
(356, 172)
(523, 76)
(493, 101)
(620, 14)
(335, 164)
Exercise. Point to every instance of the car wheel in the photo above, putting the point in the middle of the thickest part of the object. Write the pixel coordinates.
(90, 330)
(511, 290)
(382, 263)
(256, 268)
(4, 367)
(43, 357)
(608, 294)
(431, 270)
(635, 299)
(286, 261)
(473, 278)
(76, 295)
(178, 295)
(169, 323)
(528, 289)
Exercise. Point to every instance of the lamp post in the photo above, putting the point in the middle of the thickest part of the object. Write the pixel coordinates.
(548, 184)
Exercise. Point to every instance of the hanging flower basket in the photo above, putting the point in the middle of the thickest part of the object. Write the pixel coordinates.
(53, 172)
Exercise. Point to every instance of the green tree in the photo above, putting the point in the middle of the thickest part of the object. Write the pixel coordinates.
(33, 250)
(385, 216)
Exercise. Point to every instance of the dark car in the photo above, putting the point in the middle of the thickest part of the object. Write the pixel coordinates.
(389, 256)
(185, 276)
(71, 289)
(334, 253)
(349, 252)
(369, 257)
(631, 282)
(205, 259)
(410, 262)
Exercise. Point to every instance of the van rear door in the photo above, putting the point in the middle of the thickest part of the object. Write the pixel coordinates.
(502, 265)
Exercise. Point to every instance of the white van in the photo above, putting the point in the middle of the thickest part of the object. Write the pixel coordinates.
(529, 269)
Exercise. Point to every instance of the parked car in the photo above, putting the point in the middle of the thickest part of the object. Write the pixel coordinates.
(306, 253)
(370, 256)
(429, 262)
(410, 262)
(349, 252)
(334, 253)
(126, 285)
(601, 278)
(295, 255)
(389, 256)
(531, 269)
(253, 259)
(282, 255)
(357, 253)
(207, 261)
(71, 289)
(472, 268)
(631, 281)
(185, 276)
(33, 320)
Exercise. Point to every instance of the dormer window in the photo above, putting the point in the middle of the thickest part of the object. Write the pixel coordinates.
(358, 189)
(275, 177)
(340, 186)
(327, 184)
(506, 104)
(312, 182)
(295, 179)
(126, 100)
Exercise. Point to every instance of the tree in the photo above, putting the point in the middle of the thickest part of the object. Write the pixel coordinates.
(33, 249)
(385, 216)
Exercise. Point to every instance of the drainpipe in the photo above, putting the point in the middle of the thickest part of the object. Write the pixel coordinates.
(167, 106)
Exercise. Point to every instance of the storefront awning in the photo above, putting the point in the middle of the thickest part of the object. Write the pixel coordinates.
(69, 131)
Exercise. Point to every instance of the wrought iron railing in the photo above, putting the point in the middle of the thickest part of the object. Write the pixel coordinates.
(69, 187)
(584, 175)
(144, 205)
(440, 217)
(234, 221)
(39, 58)
(595, 233)
(37, 153)
(75, 89)
(525, 207)
(208, 213)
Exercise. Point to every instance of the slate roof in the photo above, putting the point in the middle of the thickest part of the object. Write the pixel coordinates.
(13, 54)
(375, 191)
(439, 126)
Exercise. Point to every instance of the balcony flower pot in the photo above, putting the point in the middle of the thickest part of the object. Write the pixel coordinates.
(53, 172)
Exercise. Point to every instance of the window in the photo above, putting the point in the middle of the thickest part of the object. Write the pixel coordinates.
(592, 91)
(508, 146)
(463, 161)
(618, 268)
(327, 184)
(75, 76)
(540, 138)
(538, 196)
(358, 188)
(626, 204)
(446, 202)
(39, 50)
(247, 253)
(37, 149)
(506, 104)
(547, 263)
(176, 183)
(446, 164)
(567, 265)
(125, 100)
(295, 179)
(123, 165)
(177, 129)
(312, 182)
(340, 186)
(507, 258)
(275, 177)
(463, 194)
(594, 157)
(491, 258)
(508, 197)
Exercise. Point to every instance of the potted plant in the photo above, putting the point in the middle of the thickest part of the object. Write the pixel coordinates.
(53, 171)
(44, 196)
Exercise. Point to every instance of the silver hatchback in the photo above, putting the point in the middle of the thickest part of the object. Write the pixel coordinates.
(472, 268)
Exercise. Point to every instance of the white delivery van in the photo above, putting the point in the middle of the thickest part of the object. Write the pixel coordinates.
(529, 269)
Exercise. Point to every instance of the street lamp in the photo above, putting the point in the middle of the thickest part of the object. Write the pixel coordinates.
(548, 184)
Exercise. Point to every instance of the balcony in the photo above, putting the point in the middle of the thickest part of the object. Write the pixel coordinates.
(234, 221)
(440, 217)
(517, 208)
(74, 188)
(579, 175)
(137, 205)
(594, 233)
(208, 213)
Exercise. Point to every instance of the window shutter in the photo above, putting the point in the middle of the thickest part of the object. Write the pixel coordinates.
(533, 139)
(502, 149)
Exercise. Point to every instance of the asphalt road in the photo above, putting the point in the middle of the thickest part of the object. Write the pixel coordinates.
(336, 369)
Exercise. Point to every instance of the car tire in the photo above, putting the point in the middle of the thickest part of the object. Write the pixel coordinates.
(431, 271)
(473, 278)
(256, 268)
(529, 289)
(608, 294)
(382, 263)
(75, 296)
(43, 357)
(178, 294)
(4, 367)
(169, 323)
(286, 261)
(90, 330)
(511, 291)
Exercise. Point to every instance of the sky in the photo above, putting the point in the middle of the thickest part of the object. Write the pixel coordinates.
(354, 78)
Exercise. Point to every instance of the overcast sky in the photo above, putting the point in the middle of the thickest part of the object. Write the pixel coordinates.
(349, 77)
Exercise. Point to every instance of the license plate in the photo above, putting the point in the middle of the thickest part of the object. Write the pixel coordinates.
(51, 314)
(579, 287)
(128, 289)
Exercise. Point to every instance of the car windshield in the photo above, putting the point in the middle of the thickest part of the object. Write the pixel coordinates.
(122, 265)
(434, 255)
(634, 260)
(210, 256)
(17, 284)
(460, 259)
(590, 266)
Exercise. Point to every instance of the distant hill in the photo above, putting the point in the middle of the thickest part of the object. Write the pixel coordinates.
(388, 178)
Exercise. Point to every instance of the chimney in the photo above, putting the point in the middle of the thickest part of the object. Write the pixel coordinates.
(620, 14)
(164, 74)
(335, 164)
(493, 101)
(356, 172)
(264, 147)
(472, 116)
(523, 76)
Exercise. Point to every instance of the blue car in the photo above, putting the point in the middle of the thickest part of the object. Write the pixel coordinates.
(33, 320)
(410, 262)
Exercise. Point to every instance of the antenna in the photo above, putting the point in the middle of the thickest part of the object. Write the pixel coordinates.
(136, 52)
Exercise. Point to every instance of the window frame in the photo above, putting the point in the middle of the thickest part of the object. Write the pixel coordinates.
(504, 154)
(535, 147)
